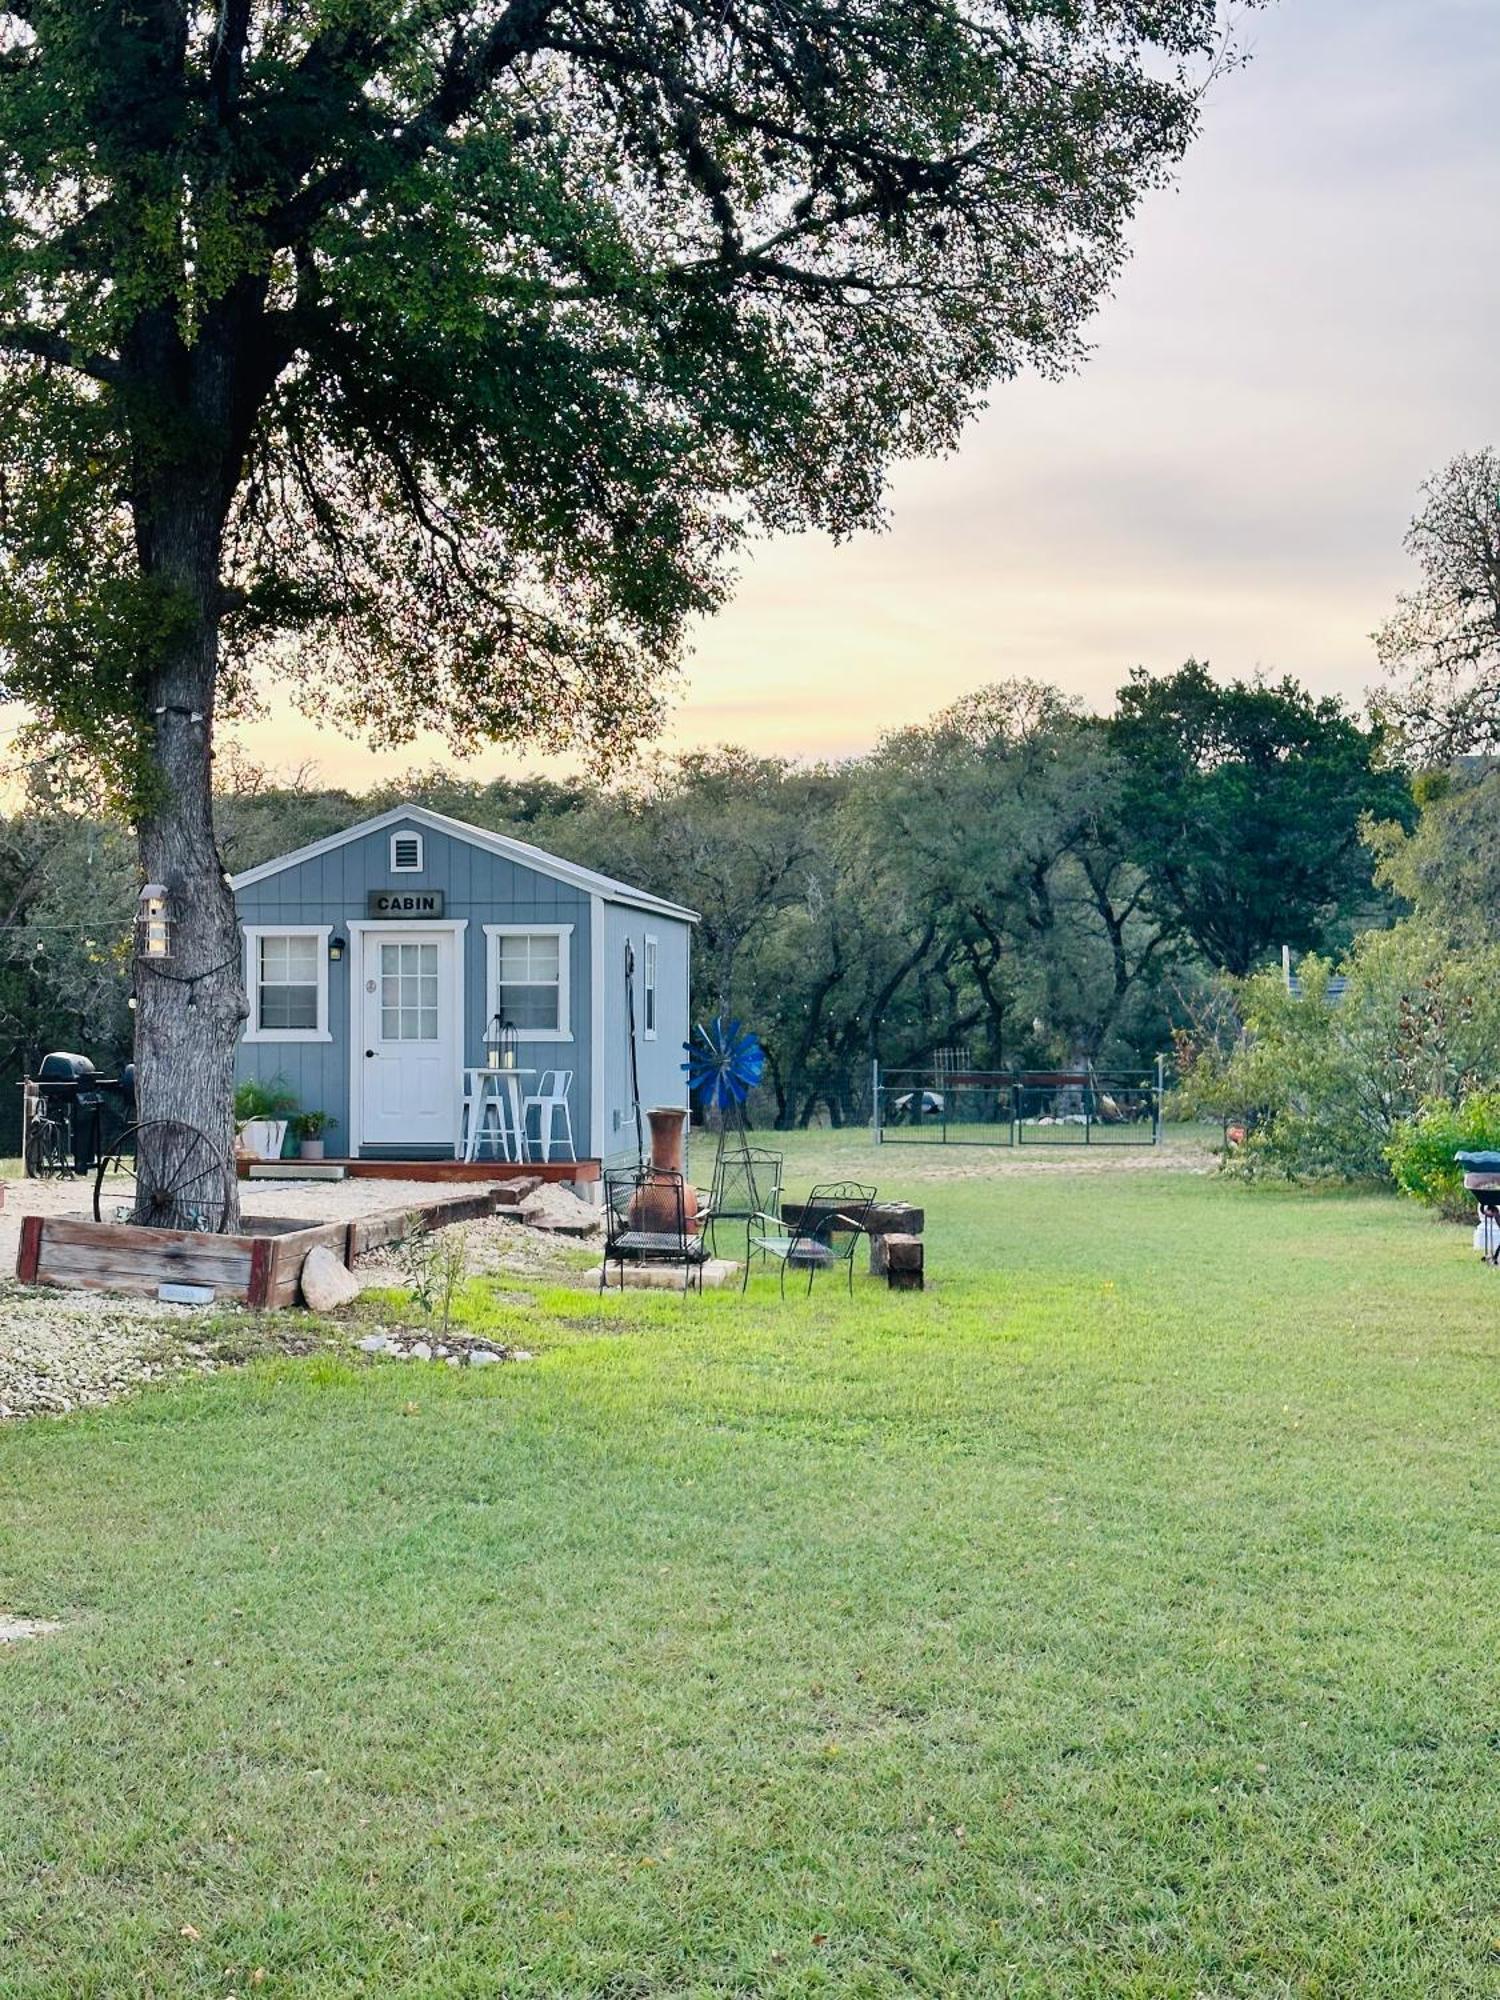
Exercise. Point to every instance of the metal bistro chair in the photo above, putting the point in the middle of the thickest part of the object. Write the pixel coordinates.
(548, 1099)
(638, 1196)
(829, 1226)
(746, 1188)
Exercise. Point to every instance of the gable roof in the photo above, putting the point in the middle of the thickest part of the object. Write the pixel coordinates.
(572, 872)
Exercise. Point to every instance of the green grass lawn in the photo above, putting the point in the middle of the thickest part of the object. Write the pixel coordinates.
(1120, 1617)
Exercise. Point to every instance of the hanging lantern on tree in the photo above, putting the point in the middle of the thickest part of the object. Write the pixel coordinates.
(153, 923)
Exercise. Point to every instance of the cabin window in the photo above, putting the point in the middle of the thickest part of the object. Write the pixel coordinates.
(406, 854)
(648, 991)
(287, 977)
(529, 979)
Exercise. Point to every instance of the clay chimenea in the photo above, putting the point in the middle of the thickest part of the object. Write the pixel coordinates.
(655, 1204)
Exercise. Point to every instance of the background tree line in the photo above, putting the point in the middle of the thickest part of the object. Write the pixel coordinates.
(1016, 877)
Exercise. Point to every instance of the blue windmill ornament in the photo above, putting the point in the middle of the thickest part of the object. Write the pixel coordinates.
(725, 1062)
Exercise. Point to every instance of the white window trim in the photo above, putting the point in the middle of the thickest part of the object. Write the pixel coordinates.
(253, 935)
(563, 1032)
(650, 984)
(408, 833)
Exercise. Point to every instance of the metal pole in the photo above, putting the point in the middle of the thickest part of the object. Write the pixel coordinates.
(875, 1098)
(1161, 1085)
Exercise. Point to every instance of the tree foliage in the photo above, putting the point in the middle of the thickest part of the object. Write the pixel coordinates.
(1441, 646)
(1447, 865)
(442, 355)
(1323, 1076)
(1245, 803)
(971, 884)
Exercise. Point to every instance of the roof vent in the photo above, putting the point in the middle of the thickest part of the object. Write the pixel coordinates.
(406, 853)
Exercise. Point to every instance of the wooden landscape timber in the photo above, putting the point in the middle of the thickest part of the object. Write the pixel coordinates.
(449, 1170)
(259, 1266)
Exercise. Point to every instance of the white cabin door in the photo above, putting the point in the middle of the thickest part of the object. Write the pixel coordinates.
(410, 1082)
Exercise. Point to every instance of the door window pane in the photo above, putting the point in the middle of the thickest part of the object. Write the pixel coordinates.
(408, 992)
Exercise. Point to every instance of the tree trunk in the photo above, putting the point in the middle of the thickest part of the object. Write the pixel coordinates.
(188, 1008)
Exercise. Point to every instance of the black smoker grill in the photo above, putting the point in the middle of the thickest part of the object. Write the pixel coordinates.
(74, 1092)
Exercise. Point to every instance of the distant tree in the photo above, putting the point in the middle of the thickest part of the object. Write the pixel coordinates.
(439, 355)
(1447, 866)
(1244, 803)
(1441, 646)
(1001, 817)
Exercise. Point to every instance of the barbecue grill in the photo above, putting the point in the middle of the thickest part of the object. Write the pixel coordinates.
(73, 1093)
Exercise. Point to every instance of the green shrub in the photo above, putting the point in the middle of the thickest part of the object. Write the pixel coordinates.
(254, 1099)
(1421, 1151)
(1322, 1081)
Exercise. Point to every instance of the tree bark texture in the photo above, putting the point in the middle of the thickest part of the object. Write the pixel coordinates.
(189, 1008)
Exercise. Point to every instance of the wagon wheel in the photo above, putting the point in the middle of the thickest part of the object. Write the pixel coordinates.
(178, 1178)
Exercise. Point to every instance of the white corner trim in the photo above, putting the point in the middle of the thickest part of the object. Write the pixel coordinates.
(597, 1113)
(254, 1034)
(563, 1032)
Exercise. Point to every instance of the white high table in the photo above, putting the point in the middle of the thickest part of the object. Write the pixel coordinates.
(482, 1086)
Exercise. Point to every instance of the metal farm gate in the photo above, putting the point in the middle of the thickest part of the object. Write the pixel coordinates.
(1062, 1107)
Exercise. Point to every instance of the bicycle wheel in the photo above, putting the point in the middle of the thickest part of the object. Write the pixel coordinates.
(176, 1178)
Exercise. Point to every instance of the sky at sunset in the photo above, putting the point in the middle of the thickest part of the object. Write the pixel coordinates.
(1306, 330)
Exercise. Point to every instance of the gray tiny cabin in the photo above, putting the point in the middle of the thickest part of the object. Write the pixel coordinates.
(382, 962)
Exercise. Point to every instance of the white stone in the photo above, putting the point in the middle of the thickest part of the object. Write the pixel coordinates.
(326, 1283)
(375, 1343)
(482, 1357)
(419, 1351)
(718, 1273)
(556, 1207)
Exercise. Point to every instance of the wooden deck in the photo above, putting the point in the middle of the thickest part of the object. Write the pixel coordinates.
(453, 1170)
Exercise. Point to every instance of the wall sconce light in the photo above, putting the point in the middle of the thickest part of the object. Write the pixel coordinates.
(153, 924)
(337, 946)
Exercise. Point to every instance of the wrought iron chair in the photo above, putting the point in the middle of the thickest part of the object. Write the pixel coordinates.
(828, 1228)
(746, 1189)
(645, 1221)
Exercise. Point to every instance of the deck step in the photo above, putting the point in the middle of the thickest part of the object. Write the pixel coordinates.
(296, 1170)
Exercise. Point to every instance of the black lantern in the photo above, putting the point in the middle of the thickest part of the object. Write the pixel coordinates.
(337, 946)
(501, 1044)
(153, 923)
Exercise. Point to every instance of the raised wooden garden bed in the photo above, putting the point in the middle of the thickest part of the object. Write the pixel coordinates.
(260, 1266)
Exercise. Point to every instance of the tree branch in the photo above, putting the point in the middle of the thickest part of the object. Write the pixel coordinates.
(42, 345)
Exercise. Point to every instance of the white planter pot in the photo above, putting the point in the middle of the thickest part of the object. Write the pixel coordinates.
(264, 1137)
(311, 1149)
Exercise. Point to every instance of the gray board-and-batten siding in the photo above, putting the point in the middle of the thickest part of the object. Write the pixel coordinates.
(486, 879)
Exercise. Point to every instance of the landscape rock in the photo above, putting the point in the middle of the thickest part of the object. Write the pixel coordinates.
(482, 1357)
(554, 1207)
(375, 1343)
(419, 1351)
(326, 1283)
(718, 1273)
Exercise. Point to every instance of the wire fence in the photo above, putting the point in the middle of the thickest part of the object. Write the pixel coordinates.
(1064, 1107)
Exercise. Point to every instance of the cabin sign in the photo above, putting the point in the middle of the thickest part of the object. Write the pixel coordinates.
(404, 903)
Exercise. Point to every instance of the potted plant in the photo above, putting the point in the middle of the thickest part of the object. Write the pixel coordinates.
(261, 1114)
(310, 1127)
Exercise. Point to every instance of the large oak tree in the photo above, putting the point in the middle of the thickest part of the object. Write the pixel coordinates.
(436, 356)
